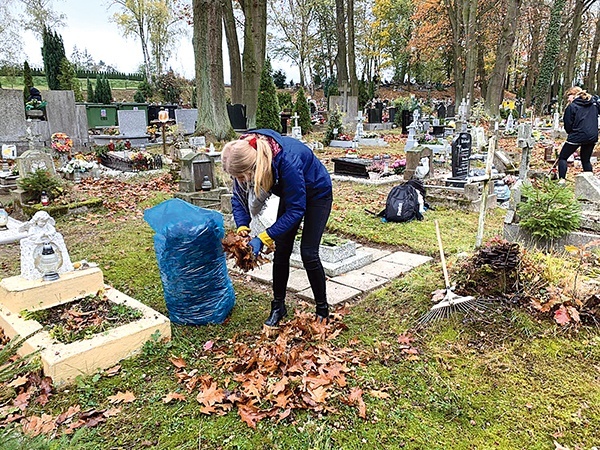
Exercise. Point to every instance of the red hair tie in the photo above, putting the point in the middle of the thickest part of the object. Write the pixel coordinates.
(252, 142)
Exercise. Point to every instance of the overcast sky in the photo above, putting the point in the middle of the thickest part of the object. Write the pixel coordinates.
(88, 27)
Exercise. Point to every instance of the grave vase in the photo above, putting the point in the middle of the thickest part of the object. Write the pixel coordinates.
(374, 175)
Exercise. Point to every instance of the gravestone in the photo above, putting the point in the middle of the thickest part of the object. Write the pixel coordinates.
(62, 117)
(411, 141)
(415, 157)
(33, 160)
(40, 230)
(197, 142)
(461, 152)
(12, 117)
(450, 111)
(406, 120)
(81, 124)
(359, 126)
(510, 122)
(441, 111)
(296, 130)
(374, 115)
(354, 167)
(186, 120)
(392, 113)
(194, 167)
(237, 116)
(132, 123)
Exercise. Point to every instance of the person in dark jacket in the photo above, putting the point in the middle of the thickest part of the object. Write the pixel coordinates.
(34, 94)
(264, 162)
(581, 124)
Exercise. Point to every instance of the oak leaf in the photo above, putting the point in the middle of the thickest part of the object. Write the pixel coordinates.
(211, 395)
(174, 396)
(18, 382)
(178, 362)
(250, 415)
(122, 397)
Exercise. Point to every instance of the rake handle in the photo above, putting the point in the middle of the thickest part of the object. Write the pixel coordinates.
(442, 257)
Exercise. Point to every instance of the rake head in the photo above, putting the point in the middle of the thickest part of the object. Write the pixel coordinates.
(451, 304)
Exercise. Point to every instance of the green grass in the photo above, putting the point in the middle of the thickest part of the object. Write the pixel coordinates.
(507, 381)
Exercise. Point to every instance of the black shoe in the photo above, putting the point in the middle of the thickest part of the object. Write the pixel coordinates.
(278, 312)
(322, 313)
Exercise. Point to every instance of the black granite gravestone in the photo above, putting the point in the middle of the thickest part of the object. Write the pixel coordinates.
(237, 116)
(392, 113)
(354, 167)
(407, 119)
(374, 115)
(441, 111)
(461, 152)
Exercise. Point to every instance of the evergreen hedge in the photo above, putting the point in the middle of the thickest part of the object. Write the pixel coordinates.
(303, 110)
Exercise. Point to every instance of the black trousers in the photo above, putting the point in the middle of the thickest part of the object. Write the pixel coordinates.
(315, 219)
(568, 149)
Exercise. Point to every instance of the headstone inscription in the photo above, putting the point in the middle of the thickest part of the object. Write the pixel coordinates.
(461, 152)
(33, 160)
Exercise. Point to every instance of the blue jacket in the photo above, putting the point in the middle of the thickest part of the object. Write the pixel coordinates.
(581, 121)
(298, 178)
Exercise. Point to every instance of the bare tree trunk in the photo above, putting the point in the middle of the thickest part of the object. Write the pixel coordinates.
(235, 61)
(495, 91)
(470, 19)
(590, 79)
(213, 121)
(351, 49)
(255, 41)
(575, 28)
(340, 58)
(533, 63)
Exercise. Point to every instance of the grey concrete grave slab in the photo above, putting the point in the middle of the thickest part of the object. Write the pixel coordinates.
(263, 273)
(386, 269)
(298, 280)
(61, 114)
(361, 280)
(12, 234)
(336, 293)
(407, 259)
(334, 269)
(376, 252)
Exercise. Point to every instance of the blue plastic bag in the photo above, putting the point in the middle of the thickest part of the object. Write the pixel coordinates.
(191, 261)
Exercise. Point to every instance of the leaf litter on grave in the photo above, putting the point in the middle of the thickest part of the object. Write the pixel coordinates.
(302, 368)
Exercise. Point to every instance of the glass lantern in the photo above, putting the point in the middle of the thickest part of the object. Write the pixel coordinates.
(47, 261)
(3, 218)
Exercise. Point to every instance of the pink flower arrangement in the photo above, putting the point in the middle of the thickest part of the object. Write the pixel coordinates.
(61, 143)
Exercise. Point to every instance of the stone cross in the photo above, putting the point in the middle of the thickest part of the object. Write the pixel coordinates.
(345, 90)
(526, 142)
(296, 130)
(295, 117)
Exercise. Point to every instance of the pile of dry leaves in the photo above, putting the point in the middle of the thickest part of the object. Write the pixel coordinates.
(547, 286)
(237, 248)
(301, 369)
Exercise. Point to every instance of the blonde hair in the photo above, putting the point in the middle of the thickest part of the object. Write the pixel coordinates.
(240, 159)
(576, 91)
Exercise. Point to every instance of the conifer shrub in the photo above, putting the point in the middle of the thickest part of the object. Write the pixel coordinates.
(303, 110)
(267, 111)
(549, 210)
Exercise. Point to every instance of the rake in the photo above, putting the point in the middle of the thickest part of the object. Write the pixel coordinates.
(451, 302)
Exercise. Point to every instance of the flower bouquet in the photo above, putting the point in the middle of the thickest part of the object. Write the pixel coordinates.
(398, 166)
(78, 165)
(141, 160)
(428, 139)
(35, 104)
(61, 143)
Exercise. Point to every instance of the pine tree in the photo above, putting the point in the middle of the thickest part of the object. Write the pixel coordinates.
(109, 96)
(27, 80)
(267, 111)
(99, 96)
(303, 110)
(90, 92)
(68, 79)
(53, 52)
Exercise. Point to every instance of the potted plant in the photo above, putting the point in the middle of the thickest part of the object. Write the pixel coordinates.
(375, 169)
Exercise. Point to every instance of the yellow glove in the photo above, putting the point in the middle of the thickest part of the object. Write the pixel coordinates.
(243, 230)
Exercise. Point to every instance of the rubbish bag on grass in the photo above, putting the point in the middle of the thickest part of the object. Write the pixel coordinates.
(191, 261)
